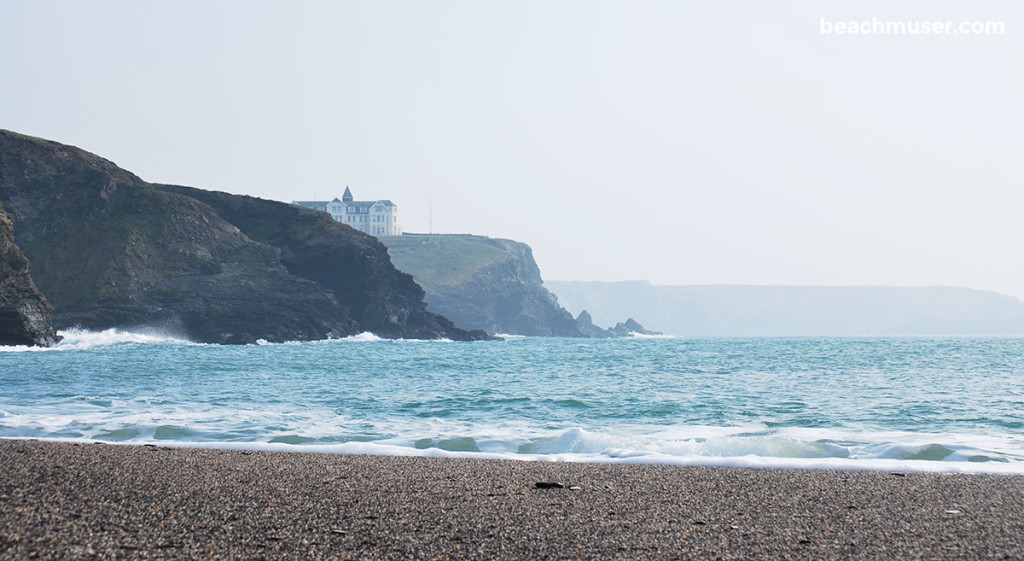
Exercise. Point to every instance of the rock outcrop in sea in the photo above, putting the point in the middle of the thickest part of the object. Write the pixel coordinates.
(111, 250)
(628, 328)
(26, 318)
(482, 283)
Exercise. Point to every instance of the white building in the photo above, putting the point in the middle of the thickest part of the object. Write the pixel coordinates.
(377, 218)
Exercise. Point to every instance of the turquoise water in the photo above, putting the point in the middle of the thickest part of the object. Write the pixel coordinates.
(913, 404)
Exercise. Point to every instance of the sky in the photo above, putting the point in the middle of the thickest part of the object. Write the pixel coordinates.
(676, 141)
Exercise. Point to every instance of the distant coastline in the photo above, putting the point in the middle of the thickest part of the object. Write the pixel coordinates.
(751, 311)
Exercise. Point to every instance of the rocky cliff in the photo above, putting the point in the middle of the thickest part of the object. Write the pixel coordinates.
(26, 317)
(109, 249)
(482, 283)
(353, 266)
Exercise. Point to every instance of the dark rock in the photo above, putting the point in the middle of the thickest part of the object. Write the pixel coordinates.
(26, 318)
(627, 329)
(631, 327)
(587, 327)
(110, 250)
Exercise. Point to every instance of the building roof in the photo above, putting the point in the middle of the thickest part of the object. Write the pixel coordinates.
(370, 203)
(347, 201)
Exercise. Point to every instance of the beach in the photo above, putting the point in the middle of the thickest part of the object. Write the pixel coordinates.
(102, 501)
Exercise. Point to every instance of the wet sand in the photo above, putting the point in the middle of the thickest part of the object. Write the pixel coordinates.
(95, 501)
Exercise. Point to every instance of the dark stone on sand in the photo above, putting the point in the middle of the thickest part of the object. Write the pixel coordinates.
(549, 485)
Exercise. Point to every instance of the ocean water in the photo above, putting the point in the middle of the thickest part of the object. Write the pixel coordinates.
(932, 404)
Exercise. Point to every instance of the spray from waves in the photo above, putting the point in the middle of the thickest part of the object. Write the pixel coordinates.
(367, 337)
(22, 349)
(78, 339)
(81, 339)
(364, 337)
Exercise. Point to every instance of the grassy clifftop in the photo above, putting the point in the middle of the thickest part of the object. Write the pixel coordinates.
(482, 283)
(448, 259)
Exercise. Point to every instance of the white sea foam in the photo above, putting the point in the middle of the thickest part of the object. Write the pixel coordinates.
(81, 339)
(368, 337)
(618, 457)
(635, 335)
(323, 431)
(84, 339)
(22, 349)
(364, 337)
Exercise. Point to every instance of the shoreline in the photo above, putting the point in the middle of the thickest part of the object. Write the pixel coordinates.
(62, 500)
(369, 448)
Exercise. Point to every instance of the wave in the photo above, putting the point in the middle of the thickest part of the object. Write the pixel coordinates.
(741, 461)
(635, 335)
(364, 337)
(367, 337)
(80, 339)
(705, 446)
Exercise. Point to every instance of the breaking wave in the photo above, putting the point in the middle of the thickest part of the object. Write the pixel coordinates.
(929, 404)
(81, 339)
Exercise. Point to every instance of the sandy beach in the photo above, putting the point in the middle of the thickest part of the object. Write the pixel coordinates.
(97, 501)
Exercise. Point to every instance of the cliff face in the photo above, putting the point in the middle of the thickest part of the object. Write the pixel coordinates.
(482, 283)
(25, 316)
(109, 249)
(353, 266)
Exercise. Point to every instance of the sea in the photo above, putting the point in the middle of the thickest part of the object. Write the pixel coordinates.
(900, 404)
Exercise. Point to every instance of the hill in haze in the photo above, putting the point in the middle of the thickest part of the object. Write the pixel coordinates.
(732, 310)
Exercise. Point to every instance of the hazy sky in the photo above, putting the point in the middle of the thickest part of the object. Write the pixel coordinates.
(679, 142)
